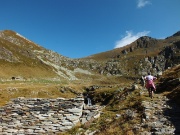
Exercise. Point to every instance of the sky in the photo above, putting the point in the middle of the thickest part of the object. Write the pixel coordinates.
(80, 28)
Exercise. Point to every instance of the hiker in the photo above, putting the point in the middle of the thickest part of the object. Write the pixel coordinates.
(150, 84)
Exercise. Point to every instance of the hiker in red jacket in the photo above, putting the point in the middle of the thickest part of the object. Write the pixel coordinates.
(150, 84)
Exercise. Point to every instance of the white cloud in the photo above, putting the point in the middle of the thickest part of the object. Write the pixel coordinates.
(142, 3)
(129, 38)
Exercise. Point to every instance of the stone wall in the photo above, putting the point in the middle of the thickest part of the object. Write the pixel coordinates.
(44, 116)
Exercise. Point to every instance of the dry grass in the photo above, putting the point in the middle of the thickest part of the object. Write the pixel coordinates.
(8, 70)
(110, 124)
(34, 89)
(49, 88)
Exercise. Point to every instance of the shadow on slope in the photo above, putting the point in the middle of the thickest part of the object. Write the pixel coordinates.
(170, 85)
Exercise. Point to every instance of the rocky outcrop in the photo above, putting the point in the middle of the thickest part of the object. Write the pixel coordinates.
(45, 116)
(146, 42)
(168, 57)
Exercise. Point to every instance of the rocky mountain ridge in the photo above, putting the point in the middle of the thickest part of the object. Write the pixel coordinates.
(143, 55)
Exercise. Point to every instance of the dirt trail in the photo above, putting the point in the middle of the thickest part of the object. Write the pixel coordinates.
(160, 116)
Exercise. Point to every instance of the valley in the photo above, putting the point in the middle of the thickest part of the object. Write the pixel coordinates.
(111, 79)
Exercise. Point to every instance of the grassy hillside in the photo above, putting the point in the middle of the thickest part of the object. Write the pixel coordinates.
(17, 58)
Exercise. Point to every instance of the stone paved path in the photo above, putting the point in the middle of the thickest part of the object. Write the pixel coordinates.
(160, 116)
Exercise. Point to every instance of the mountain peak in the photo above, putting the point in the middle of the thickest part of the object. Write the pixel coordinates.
(145, 38)
(145, 41)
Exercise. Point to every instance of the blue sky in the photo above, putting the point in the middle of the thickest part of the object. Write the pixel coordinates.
(80, 28)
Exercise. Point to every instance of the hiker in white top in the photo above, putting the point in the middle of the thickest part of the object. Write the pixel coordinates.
(150, 84)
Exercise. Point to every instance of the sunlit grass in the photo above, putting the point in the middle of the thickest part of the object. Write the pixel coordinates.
(34, 89)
